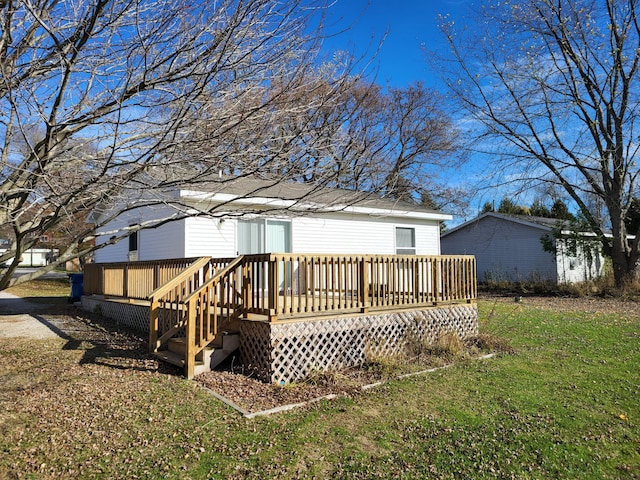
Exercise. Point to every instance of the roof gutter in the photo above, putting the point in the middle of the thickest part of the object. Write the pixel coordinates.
(300, 206)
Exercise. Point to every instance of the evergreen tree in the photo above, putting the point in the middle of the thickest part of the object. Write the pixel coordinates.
(487, 207)
(539, 209)
(507, 206)
(559, 210)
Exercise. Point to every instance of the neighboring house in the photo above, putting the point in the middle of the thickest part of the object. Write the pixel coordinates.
(34, 257)
(510, 248)
(257, 216)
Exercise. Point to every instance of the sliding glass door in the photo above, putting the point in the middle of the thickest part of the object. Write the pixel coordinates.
(267, 236)
(264, 236)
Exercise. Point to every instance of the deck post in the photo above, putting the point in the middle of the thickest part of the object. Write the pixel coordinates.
(125, 283)
(156, 276)
(153, 325)
(435, 281)
(274, 286)
(245, 285)
(190, 344)
(207, 272)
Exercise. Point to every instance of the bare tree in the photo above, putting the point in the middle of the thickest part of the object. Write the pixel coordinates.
(100, 97)
(108, 105)
(329, 129)
(551, 90)
(393, 142)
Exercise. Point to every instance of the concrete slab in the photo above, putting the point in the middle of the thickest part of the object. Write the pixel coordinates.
(24, 326)
(15, 323)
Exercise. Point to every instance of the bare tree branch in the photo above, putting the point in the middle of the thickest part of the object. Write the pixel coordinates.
(551, 90)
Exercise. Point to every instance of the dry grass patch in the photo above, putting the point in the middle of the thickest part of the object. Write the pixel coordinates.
(254, 395)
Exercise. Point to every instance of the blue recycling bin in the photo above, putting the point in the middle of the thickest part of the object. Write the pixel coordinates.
(77, 286)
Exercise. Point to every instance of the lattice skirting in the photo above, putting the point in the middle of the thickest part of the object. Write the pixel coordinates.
(135, 316)
(286, 352)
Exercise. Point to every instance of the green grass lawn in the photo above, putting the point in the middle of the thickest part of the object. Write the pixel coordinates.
(566, 404)
(49, 291)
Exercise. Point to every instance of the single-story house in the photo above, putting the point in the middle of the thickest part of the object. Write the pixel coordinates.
(296, 277)
(257, 216)
(524, 248)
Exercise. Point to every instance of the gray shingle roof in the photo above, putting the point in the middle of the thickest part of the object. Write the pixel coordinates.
(253, 187)
(543, 223)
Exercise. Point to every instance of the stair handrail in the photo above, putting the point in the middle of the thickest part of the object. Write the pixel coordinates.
(215, 278)
(155, 297)
(193, 345)
(186, 273)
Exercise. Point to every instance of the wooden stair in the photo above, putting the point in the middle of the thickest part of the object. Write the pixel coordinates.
(213, 355)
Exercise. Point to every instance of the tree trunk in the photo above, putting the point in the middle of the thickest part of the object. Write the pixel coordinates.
(626, 267)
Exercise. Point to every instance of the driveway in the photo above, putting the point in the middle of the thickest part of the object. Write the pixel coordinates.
(19, 318)
(49, 275)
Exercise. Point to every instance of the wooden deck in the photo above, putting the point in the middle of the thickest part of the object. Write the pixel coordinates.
(198, 298)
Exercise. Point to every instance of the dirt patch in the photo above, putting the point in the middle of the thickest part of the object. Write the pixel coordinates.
(254, 395)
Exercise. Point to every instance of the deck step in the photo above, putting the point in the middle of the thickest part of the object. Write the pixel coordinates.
(170, 357)
(208, 359)
(178, 360)
(177, 345)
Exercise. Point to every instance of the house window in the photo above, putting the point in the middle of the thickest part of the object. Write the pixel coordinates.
(405, 241)
(133, 242)
(262, 236)
(133, 245)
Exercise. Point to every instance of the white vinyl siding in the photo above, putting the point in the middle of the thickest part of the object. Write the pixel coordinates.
(166, 241)
(585, 266)
(360, 234)
(211, 237)
(327, 234)
(118, 252)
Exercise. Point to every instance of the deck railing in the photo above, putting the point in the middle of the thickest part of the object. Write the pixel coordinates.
(289, 285)
(137, 280)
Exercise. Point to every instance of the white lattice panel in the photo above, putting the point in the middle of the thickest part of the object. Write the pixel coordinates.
(286, 352)
(135, 316)
(255, 348)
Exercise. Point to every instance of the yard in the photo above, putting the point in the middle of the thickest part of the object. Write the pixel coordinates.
(563, 405)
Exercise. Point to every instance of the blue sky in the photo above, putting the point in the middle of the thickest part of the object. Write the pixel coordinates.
(408, 25)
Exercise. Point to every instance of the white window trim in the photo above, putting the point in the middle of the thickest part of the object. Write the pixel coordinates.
(264, 222)
(413, 249)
